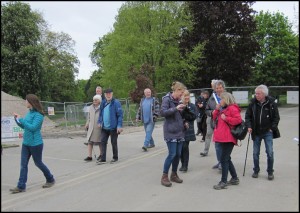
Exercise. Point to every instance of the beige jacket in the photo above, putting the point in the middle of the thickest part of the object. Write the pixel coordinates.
(94, 132)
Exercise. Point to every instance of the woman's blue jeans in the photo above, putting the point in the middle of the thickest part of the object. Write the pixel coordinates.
(149, 127)
(36, 153)
(268, 138)
(173, 156)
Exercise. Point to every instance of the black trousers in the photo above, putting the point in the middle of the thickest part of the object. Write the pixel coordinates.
(114, 143)
(185, 154)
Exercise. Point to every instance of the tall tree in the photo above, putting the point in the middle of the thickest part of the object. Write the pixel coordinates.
(61, 66)
(21, 50)
(144, 33)
(277, 62)
(226, 28)
(91, 85)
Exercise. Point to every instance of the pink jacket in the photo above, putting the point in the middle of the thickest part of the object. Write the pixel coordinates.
(222, 130)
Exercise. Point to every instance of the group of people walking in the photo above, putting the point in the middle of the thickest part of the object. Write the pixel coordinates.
(218, 114)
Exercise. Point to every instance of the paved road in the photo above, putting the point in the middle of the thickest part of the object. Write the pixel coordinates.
(133, 184)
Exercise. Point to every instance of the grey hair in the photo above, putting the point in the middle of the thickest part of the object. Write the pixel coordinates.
(213, 83)
(98, 87)
(228, 98)
(220, 82)
(263, 88)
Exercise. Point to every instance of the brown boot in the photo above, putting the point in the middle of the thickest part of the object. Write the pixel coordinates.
(165, 180)
(174, 177)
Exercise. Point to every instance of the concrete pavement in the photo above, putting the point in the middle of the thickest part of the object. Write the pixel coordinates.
(133, 183)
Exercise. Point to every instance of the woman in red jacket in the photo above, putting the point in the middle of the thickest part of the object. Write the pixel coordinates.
(226, 115)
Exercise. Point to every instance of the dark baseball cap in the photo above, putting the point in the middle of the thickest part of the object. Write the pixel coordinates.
(109, 90)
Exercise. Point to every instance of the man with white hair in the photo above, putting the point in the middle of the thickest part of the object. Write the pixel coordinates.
(262, 118)
(148, 113)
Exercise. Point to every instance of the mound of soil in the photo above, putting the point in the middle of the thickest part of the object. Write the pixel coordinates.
(11, 104)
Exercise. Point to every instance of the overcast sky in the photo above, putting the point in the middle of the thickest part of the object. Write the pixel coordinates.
(86, 21)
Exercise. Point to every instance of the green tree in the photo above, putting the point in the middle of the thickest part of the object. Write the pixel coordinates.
(61, 66)
(144, 33)
(226, 28)
(91, 85)
(21, 50)
(80, 95)
(277, 62)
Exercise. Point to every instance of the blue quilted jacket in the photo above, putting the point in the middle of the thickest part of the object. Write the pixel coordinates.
(32, 124)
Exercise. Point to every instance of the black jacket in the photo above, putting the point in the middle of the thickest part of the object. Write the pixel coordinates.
(189, 115)
(263, 117)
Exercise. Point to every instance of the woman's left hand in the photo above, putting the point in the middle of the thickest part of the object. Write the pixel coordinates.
(223, 116)
(16, 115)
(186, 125)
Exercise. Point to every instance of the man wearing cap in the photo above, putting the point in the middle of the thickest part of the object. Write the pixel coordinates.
(110, 121)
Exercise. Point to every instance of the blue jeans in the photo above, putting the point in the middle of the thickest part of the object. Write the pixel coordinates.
(268, 138)
(149, 127)
(226, 162)
(36, 153)
(173, 156)
(218, 148)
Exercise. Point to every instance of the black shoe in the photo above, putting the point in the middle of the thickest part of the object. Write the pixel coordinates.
(216, 166)
(220, 185)
(203, 154)
(113, 160)
(88, 159)
(85, 143)
(183, 169)
(144, 148)
(255, 175)
(101, 162)
(16, 190)
(99, 158)
(151, 146)
(48, 184)
(270, 176)
(233, 181)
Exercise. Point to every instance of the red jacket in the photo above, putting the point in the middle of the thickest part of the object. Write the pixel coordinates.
(222, 130)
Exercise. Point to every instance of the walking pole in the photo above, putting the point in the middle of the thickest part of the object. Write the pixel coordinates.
(246, 154)
(94, 151)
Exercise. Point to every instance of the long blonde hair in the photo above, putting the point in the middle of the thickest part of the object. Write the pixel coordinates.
(228, 98)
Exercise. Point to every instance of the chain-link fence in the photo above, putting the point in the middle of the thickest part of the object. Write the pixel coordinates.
(73, 114)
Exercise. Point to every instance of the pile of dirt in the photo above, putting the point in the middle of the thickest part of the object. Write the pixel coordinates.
(11, 104)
